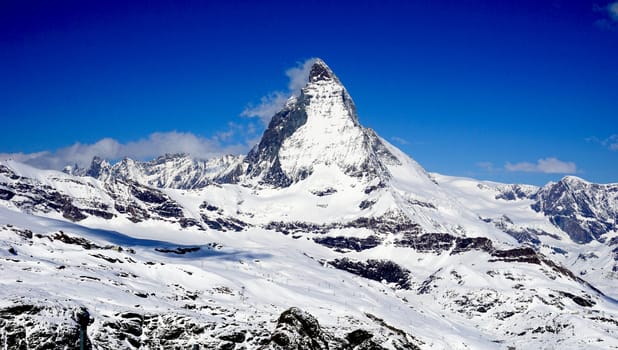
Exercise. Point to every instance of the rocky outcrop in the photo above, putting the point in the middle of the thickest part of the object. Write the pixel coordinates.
(343, 244)
(377, 270)
(389, 223)
(585, 211)
(28, 326)
(299, 330)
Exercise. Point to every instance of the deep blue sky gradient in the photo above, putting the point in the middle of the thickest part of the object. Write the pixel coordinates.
(462, 82)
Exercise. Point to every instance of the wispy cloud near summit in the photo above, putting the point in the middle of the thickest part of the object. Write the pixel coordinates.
(274, 101)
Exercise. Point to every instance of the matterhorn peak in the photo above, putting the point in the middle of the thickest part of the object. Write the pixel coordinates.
(317, 129)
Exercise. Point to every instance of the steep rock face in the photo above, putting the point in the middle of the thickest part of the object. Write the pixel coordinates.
(318, 128)
(297, 329)
(99, 169)
(583, 210)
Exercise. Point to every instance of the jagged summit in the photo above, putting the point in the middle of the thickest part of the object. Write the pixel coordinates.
(321, 71)
(317, 129)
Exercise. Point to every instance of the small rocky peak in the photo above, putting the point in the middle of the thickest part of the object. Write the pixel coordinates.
(321, 71)
(98, 166)
(573, 181)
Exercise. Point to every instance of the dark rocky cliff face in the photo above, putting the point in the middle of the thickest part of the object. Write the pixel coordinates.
(583, 210)
(263, 160)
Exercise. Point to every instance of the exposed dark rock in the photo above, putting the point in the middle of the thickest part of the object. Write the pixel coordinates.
(25, 233)
(209, 207)
(226, 346)
(169, 209)
(84, 243)
(428, 242)
(17, 332)
(147, 195)
(189, 222)
(19, 309)
(466, 244)
(224, 223)
(325, 192)
(556, 250)
(296, 227)
(100, 213)
(107, 258)
(299, 330)
(178, 250)
(441, 242)
(390, 223)
(6, 194)
(358, 336)
(366, 204)
(429, 283)
(524, 254)
(372, 188)
(282, 125)
(235, 337)
(585, 302)
(421, 204)
(72, 213)
(320, 71)
(349, 243)
(377, 270)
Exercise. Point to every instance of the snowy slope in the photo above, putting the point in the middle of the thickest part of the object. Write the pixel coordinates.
(322, 214)
(596, 261)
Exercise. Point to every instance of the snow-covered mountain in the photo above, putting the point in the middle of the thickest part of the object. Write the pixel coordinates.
(168, 171)
(315, 132)
(323, 236)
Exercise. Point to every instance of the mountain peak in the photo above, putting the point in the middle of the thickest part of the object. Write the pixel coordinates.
(319, 129)
(321, 71)
(98, 167)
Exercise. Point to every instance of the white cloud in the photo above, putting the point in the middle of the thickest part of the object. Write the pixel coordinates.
(154, 145)
(547, 166)
(274, 101)
(400, 140)
(299, 75)
(610, 142)
(269, 105)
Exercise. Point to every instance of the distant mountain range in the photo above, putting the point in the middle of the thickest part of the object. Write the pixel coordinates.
(324, 236)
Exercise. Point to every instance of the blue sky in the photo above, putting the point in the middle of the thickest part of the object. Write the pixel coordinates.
(508, 91)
